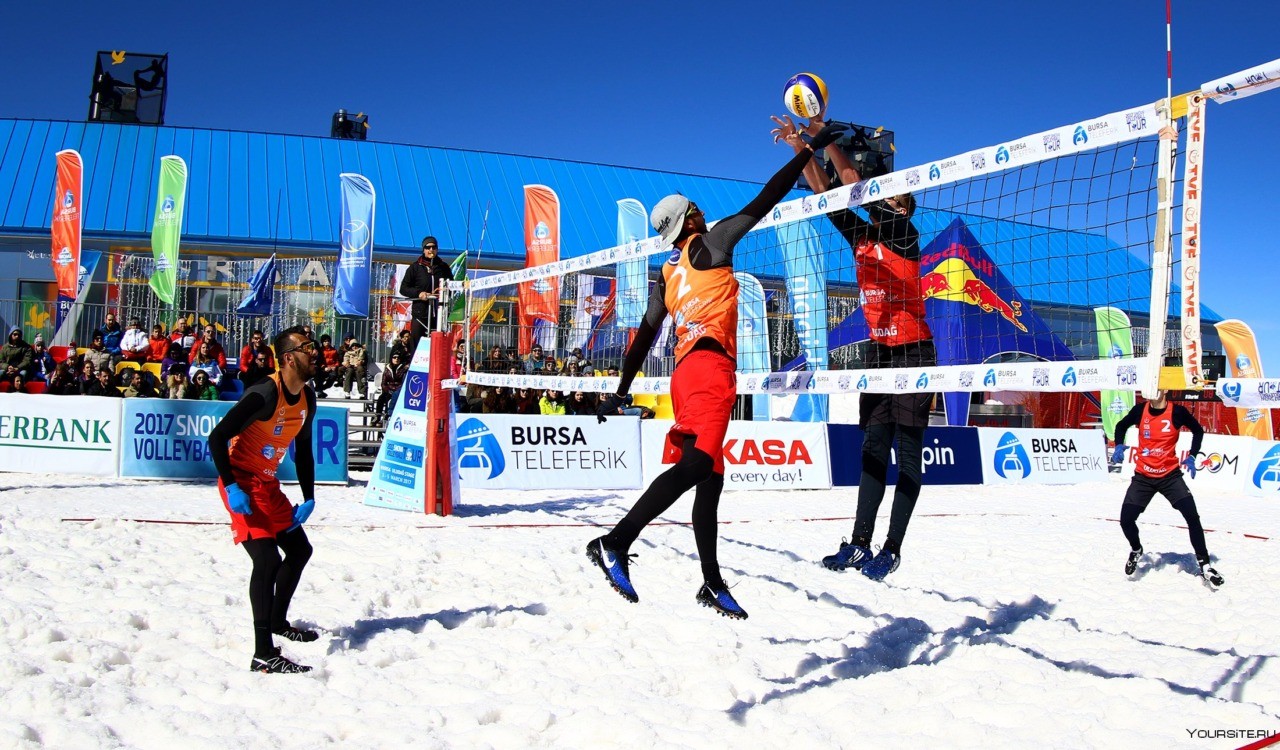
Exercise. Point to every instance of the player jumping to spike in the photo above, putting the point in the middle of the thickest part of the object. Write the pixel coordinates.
(698, 290)
(1158, 470)
(247, 447)
(886, 253)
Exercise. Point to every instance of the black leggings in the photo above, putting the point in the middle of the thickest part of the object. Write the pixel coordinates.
(876, 442)
(694, 468)
(1129, 513)
(273, 581)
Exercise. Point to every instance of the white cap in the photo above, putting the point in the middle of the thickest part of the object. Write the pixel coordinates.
(668, 216)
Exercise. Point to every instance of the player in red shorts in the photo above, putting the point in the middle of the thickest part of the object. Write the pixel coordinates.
(247, 446)
(698, 290)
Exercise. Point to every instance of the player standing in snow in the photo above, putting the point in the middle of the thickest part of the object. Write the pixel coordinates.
(1157, 470)
(247, 447)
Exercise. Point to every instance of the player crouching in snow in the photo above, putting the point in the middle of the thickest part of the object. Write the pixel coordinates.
(1157, 470)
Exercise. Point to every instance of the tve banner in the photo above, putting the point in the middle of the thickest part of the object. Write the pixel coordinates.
(517, 451)
(169, 439)
(1264, 470)
(952, 455)
(1042, 456)
(757, 455)
(1224, 461)
(58, 434)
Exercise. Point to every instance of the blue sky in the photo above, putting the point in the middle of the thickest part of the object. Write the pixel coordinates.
(688, 87)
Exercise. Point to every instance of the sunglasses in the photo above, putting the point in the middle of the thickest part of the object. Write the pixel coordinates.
(433, 248)
(308, 347)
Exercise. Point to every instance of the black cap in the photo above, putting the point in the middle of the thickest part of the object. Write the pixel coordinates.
(430, 240)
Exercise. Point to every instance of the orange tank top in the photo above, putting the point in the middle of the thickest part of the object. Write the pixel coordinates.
(704, 304)
(262, 446)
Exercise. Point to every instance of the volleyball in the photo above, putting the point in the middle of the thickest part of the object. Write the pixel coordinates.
(805, 95)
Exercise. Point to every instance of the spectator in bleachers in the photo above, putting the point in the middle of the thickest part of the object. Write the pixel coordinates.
(15, 360)
(42, 364)
(177, 384)
(526, 402)
(158, 344)
(103, 385)
(537, 364)
(260, 368)
(202, 388)
(581, 404)
(497, 400)
(252, 350)
(184, 336)
(63, 381)
(552, 402)
(98, 353)
(175, 355)
(134, 345)
(205, 362)
(329, 366)
(216, 352)
(88, 371)
(496, 362)
(403, 345)
(111, 336)
(392, 376)
(355, 368)
(142, 385)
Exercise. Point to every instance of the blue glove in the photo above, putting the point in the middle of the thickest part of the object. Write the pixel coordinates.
(302, 512)
(1118, 456)
(1189, 465)
(238, 500)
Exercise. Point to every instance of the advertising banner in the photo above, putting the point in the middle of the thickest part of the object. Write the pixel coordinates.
(807, 290)
(40, 433)
(1192, 191)
(169, 439)
(952, 455)
(355, 248)
(166, 228)
(633, 274)
(1263, 475)
(1242, 355)
(533, 451)
(757, 455)
(540, 300)
(1224, 461)
(65, 228)
(1020, 456)
(398, 471)
(1115, 341)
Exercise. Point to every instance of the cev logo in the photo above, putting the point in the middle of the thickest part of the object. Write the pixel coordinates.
(69, 201)
(355, 235)
(923, 380)
(479, 451)
(1069, 377)
(934, 173)
(862, 382)
(1080, 137)
(1243, 362)
(166, 206)
(1002, 155)
(1267, 475)
(1231, 391)
(990, 377)
(1011, 458)
(542, 231)
(874, 189)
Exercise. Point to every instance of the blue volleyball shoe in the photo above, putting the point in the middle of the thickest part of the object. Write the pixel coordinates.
(884, 563)
(719, 599)
(849, 555)
(616, 567)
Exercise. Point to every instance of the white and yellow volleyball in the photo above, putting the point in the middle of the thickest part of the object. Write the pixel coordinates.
(805, 95)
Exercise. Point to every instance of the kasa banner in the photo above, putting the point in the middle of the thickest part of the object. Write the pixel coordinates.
(355, 247)
(399, 479)
(757, 455)
(1242, 357)
(540, 299)
(166, 228)
(169, 439)
(65, 228)
(517, 451)
(1042, 456)
(40, 433)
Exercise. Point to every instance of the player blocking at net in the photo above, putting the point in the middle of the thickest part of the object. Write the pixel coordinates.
(698, 289)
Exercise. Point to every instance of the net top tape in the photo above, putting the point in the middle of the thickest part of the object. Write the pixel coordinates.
(1099, 132)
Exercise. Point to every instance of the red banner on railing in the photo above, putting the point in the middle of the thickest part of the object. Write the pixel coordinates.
(65, 228)
(540, 299)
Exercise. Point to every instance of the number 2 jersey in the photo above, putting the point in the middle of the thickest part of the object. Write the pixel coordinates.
(1157, 450)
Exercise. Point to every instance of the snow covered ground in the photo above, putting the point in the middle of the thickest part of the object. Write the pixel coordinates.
(1009, 624)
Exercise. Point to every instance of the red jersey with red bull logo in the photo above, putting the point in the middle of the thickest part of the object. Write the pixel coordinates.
(891, 296)
(703, 303)
(1157, 443)
(260, 448)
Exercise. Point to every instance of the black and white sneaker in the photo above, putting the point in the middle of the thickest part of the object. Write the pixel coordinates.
(276, 664)
(1131, 564)
(717, 597)
(1212, 578)
(297, 635)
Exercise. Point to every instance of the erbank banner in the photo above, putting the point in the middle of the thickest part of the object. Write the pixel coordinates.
(1224, 461)
(533, 451)
(757, 455)
(58, 434)
(1019, 456)
(169, 439)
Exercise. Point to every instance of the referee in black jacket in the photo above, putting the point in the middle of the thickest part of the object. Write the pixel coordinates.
(421, 283)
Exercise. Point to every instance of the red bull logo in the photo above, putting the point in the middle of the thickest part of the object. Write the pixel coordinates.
(953, 279)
